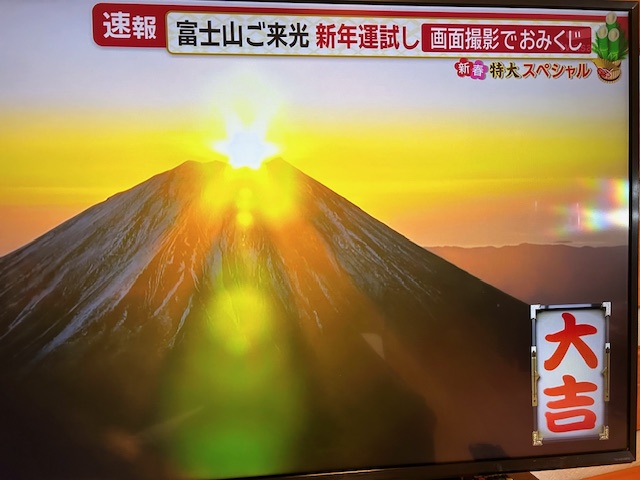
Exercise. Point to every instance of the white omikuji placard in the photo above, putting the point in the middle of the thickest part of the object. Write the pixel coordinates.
(571, 349)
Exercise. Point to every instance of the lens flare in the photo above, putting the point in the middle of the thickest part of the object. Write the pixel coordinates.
(606, 208)
(223, 371)
(240, 318)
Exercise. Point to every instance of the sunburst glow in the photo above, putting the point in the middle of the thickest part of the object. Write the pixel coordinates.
(246, 146)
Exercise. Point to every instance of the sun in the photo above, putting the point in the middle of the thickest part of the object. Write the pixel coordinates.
(246, 146)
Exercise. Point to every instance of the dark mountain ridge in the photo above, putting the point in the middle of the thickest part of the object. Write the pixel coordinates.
(209, 303)
(547, 274)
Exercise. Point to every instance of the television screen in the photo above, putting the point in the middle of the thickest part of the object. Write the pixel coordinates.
(384, 240)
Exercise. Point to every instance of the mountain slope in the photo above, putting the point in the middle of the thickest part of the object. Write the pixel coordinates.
(211, 311)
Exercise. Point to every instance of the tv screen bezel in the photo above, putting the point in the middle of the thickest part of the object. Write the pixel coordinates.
(443, 470)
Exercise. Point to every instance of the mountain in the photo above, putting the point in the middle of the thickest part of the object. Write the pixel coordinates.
(555, 275)
(215, 322)
(547, 274)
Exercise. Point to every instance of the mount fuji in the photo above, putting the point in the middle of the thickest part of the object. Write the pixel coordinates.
(223, 323)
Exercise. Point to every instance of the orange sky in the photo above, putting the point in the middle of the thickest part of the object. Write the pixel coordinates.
(442, 159)
(431, 181)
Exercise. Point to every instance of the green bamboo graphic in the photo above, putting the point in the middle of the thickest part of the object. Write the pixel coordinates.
(612, 21)
(614, 44)
(602, 38)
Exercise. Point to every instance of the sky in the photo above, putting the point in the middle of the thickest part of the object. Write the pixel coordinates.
(444, 160)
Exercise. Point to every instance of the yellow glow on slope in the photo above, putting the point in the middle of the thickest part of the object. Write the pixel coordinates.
(267, 195)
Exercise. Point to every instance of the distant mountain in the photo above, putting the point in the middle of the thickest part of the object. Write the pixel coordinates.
(547, 274)
(217, 322)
